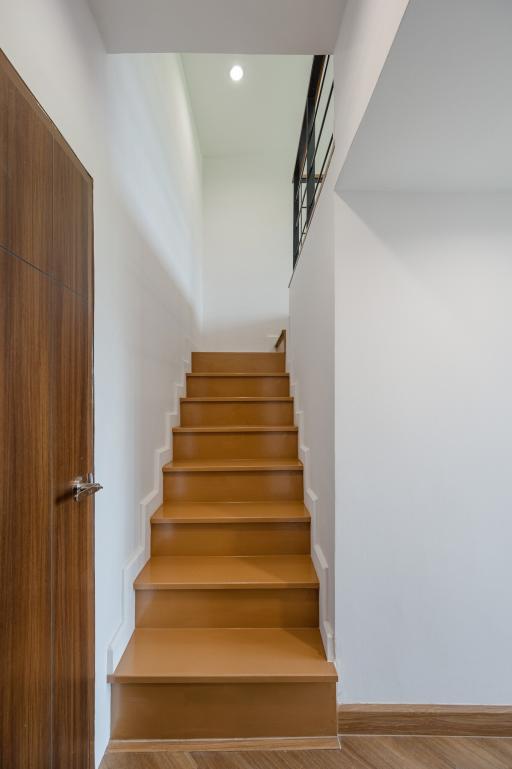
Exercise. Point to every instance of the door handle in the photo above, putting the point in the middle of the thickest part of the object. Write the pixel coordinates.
(86, 488)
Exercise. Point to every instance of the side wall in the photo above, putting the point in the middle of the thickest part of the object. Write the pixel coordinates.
(423, 444)
(310, 359)
(128, 120)
(247, 251)
(367, 31)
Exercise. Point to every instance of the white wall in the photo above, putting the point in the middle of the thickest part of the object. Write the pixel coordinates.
(422, 380)
(439, 118)
(247, 251)
(128, 120)
(310, 358)
(423, 447)
(367, 31)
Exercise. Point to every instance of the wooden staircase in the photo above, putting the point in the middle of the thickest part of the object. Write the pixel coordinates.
(226, 643)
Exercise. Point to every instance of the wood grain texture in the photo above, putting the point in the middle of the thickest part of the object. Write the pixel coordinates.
(192, 572)
(47, 639)
(238, 362)
(26, 179)
(235, 443)
(25, 515)
(230, 538)
(280, 345)
(73, 534)
(352, 753)
(236, 411)
(221, 655)
(148, 760)
(241, 385)
(229, 512)
(71, 222)
(223, 710)
(463, 720)
(227, 608)
(255, 744)
(260, 486)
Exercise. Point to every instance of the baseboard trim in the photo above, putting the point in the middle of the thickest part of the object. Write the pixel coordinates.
(438, 720)
(259, 743)
(320, 561)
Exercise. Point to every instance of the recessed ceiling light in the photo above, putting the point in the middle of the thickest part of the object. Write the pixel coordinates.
(236, 73)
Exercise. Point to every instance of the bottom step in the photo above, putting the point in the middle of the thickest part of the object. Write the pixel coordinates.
(225, 745)
(219, 683)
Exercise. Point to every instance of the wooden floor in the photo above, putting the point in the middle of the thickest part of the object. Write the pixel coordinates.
(354, 753)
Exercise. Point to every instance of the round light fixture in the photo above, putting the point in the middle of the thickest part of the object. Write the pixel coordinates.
(236, 73)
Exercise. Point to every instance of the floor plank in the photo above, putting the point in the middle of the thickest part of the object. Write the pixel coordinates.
(355, 753)
(148, 761)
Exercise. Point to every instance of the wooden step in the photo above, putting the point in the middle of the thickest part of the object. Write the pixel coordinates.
(250, 591)
(248, 480)
(235, 572)
(229, 385)
(231, 512)
(234, 362)
(236, 411)
(224, 655)
(174, 683)
(235, 442)
(232, 528)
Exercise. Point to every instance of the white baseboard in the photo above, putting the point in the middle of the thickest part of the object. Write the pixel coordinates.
(147, 507)
(320, 561)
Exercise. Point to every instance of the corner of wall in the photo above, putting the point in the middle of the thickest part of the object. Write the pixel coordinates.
(147, 507)
(313, 504)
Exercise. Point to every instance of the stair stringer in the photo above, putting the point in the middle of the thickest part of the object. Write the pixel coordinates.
(147, 507)
(312, 502)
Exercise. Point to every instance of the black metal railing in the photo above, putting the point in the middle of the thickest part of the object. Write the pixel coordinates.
(316, 144)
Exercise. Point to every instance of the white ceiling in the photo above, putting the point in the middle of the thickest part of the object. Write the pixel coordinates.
(263, 112)
(218, 26)
(441, 113)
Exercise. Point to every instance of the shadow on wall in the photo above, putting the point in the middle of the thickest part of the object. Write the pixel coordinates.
(144, 331)
(157, 163)
(147, 292)
(256, 336)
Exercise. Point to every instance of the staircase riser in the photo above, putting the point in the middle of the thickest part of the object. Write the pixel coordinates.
(227, 387)
(230, 486)
(212, 414)
(230, 538)
(210, 711)
(272, 445)
(237, 363)
(297, 607)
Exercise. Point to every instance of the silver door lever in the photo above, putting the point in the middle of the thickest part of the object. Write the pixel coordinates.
(83, 488)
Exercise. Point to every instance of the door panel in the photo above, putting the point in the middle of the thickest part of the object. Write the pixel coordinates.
(25, 515)
(25, 178)
(71, 222)
(73, 661)
(46, 441)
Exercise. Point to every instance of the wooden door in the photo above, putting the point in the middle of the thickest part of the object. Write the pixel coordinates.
(46, 441)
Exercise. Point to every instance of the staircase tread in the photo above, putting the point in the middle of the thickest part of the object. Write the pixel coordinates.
(257, 374)
(236, 465)
(237, 398)
(237, 429)
(219, 512)
(217, 572)
(224, 655)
